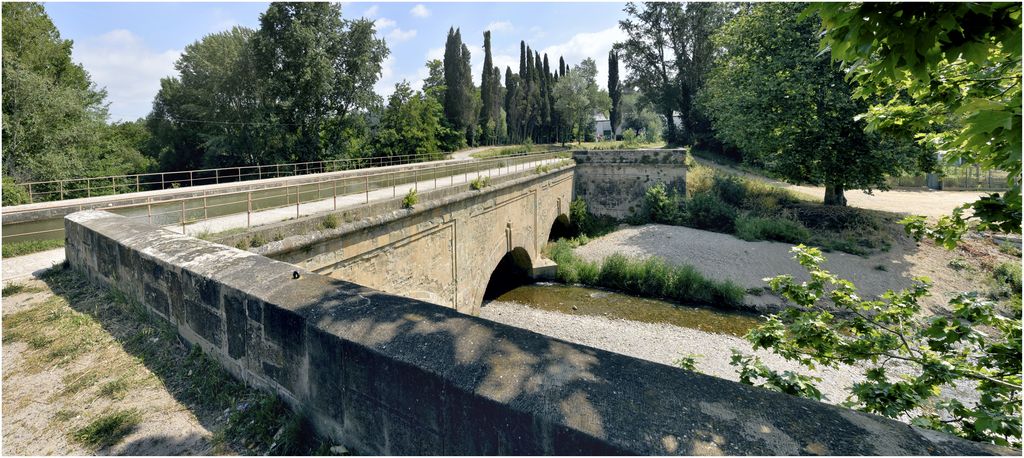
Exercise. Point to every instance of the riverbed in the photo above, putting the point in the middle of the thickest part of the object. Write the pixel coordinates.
(599, 320)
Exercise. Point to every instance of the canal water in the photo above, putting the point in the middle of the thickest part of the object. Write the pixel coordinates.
(577, 300)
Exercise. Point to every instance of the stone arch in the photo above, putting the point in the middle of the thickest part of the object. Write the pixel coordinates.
(560, 228)
(513, 269)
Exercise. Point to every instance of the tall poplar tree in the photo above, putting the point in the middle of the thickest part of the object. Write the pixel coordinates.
(487, 94)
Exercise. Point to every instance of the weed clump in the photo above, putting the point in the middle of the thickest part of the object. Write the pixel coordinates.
(410, 199)
(329, 222)
(479, 183)
(108, 429)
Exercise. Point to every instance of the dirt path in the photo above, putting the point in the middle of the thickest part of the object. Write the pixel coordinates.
(932, 204)
(724, 257)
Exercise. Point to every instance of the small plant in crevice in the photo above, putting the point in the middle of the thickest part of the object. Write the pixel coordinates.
(410, 199)
(329, 222)
(108, 429)
(479, 183)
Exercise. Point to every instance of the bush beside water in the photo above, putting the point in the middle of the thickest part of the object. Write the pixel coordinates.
(650, 277)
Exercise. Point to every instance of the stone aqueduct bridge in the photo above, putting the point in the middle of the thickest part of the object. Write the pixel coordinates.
(392, 374)
(445, 250)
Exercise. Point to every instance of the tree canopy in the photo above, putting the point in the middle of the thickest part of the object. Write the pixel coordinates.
(945, 74)
(783, 105)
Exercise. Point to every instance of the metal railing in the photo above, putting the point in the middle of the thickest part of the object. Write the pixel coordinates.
(964, 178)
(257, 206)
(54, 190)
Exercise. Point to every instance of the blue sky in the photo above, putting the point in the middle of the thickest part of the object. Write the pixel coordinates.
(128, 47)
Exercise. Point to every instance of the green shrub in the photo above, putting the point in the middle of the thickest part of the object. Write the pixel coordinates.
(329, 222)
(1009, 274)
(660, 205)
(752, 228)
(730, 188)
(13, 193)
(410, 199)
(479, 183)
(706, 210)
(258, 240)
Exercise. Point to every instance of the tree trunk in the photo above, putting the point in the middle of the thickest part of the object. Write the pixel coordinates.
(834, 195)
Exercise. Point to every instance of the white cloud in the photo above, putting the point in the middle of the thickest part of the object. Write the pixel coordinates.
(383, 23)
(594, 45)
(371, 11)
(398, 35)
(130, 71)
(500, 26)
(420, 11)
(435, 53)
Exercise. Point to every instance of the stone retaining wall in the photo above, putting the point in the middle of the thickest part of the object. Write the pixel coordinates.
(389, 375)
(613, 182)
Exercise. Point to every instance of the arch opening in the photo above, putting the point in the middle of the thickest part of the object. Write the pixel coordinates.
(561, 229)
(512, 271)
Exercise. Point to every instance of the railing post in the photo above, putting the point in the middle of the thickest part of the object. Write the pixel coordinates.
(61, 190)
(191, 181)
(163, 180)
(88, 187)
(30, 193)
(137, 188)
(216, 176)
(113, 185)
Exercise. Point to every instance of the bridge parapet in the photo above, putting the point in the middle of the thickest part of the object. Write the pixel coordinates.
(390, 375)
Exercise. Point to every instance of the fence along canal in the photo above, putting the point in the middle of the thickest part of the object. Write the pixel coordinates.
(306, 198)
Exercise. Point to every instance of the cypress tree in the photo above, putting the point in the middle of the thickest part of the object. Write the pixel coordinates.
(469, 113)
(614, 90)
(561, 66)
(453, 98)
(487, 93)
(511, 108)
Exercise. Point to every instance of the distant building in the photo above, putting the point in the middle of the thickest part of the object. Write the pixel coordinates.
(603, 128)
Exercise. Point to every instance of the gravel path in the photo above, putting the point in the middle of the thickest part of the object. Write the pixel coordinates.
(724, 257)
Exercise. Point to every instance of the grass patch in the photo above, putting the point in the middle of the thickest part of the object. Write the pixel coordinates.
(650, 277)
(505, 151)
(18, 288)
(778, 229)
(115, 389)
(617, 145)
(11, 250)
(108, 429)
(1009, 248)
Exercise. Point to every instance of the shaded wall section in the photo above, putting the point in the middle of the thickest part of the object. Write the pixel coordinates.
(390, 375)
(613, 182)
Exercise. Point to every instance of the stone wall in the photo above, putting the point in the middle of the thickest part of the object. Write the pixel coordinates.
(441, 251)
(387, 375)
(613, 182)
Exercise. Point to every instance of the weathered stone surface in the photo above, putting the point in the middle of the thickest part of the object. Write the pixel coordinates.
(390, 375)
(613, 182)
